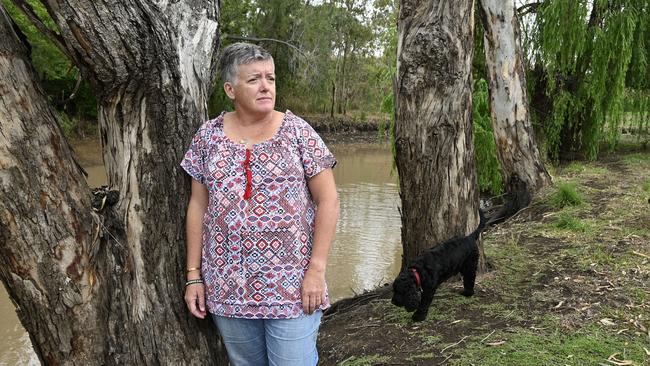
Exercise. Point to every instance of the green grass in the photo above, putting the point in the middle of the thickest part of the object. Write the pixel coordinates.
(637, 294)
(422, 356)
(365, 360)
(646, 186)
(510, 259)
(575, 168)
(636, 159)
(567, 222)
(430, 340)
(566, 195)
(500, 310)
(578, 168)
(394, 314)
(588, 346)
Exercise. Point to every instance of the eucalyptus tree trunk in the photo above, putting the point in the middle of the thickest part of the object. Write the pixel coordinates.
(433, 133)
(105, 286)
(513, 132)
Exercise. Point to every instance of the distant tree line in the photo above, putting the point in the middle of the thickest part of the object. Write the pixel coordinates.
(586, 67)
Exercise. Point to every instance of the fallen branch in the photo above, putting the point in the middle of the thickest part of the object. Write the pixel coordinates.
(641, 254)
(488, 336)
(363, 326)
(618, 362)
(453, 345)
(446, 359)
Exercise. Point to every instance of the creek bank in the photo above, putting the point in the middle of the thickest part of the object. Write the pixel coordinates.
(348, 124)
(568, 285)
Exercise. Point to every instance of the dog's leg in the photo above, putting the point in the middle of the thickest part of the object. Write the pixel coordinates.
(469, 275)
(425, 301)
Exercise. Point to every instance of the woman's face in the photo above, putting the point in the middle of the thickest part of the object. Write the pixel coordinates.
(254, 89)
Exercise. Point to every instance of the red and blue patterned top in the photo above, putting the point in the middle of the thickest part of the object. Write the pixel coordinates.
(256, 249)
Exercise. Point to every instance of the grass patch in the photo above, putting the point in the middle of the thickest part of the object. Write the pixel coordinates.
(395, 314)
(365, 360)
(575, 168)
(512, 270)
(646, 186)
(588, 346)
(500, 310)
(430, 340)
(636, 159)
(566, 195)
(422, 356)
(578, 168)
(567, 222)
(637, 294)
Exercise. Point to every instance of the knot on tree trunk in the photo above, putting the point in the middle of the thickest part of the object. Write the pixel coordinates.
(104, 197)
(110, 236)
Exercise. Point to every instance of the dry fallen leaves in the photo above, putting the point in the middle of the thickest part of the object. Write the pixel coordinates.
(617, 362)
(495, 343)
(607, 321)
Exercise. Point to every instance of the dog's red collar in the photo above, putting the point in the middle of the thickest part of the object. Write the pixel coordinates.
(418, 282)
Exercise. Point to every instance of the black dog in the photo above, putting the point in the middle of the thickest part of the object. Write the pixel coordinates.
(414, 287)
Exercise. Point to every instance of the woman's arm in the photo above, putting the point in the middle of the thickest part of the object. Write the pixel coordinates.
(194, 294)
(323, 191)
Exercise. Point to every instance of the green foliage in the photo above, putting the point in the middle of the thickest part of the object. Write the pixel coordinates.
(338, 44)
(66, 123)
(488, 168)
(587, 49)
(566, 195)
(57, 73)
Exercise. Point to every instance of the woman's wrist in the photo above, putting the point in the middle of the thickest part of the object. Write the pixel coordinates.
(193, 273)
(317, 265)
(194, 282)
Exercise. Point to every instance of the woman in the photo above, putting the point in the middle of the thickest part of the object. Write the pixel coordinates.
(260, 220)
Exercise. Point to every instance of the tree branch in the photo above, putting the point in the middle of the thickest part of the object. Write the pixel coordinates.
(253, 39)
(74, 91)
(29, 12)
(528, 8)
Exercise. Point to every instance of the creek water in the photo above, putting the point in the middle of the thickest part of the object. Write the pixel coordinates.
(366, 251)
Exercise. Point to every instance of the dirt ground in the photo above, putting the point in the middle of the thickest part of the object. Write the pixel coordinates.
(568, 285)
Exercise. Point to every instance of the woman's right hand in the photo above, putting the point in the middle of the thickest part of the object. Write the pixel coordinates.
(195, 299)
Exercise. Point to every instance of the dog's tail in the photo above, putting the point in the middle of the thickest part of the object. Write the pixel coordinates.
(481, 225)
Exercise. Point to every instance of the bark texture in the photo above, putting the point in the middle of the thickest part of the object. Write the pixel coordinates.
(106, 287)
(435, 152)
(511, 125)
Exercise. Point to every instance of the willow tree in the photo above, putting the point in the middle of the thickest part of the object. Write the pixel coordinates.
(433, 131)
(511, 123)
(584, 49)
(103, 285)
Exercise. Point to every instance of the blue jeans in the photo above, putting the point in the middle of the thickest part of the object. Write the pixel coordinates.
(270, 342)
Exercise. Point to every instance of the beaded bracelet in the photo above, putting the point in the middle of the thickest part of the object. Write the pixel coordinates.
(192, 282)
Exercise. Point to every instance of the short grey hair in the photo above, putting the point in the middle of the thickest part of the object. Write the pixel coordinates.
(237, 54)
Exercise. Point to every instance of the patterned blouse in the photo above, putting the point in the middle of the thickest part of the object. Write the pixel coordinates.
(259, 224)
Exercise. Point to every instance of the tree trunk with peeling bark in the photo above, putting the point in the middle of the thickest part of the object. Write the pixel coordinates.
(511, 126)
(433, 134)
(106, 287)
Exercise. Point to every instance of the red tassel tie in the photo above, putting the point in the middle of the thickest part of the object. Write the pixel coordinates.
(249, 175)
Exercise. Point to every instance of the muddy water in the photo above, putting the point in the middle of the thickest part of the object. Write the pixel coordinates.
(365, 253)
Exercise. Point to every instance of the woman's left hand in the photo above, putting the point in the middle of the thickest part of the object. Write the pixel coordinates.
(313, 290)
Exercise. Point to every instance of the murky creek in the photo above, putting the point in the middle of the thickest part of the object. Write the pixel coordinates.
(365, 253)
